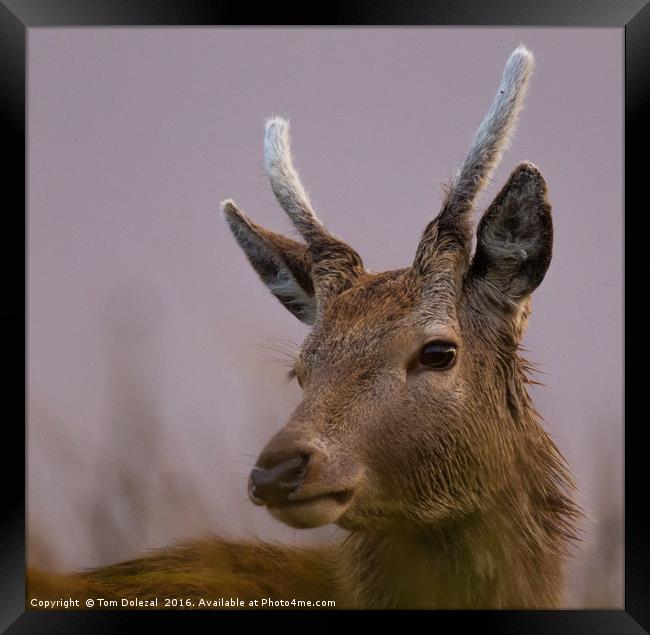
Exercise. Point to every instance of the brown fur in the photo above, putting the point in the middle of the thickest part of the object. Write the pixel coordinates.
(208, 569)
(453, 494)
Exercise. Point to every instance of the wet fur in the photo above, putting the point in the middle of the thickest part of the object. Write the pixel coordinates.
(461, 499)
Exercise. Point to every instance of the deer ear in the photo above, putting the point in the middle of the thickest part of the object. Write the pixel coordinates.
(515, 236)
(283, 264)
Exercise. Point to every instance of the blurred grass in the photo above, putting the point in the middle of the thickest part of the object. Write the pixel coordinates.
(145, 493)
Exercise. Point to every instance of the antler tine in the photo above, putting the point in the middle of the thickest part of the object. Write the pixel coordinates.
(285, 181)
(335, 265)
(493, 135)
(452, 225)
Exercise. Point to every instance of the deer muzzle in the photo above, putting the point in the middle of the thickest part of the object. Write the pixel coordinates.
(297, 487)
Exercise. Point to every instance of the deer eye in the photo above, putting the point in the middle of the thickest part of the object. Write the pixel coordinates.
(292, 374)
(438, 355)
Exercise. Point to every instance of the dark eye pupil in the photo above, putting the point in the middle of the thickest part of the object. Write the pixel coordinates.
(438, 355)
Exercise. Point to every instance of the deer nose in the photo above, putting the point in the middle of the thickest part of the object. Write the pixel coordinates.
(272, 485)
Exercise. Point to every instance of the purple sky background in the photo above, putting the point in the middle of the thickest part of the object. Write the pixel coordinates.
(150, 387)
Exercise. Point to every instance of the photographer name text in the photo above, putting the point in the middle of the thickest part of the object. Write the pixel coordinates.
(188, 603)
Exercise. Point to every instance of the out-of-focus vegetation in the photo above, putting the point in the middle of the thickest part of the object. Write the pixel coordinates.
(137, 488)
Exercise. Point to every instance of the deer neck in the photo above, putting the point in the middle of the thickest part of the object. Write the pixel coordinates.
(507, 556)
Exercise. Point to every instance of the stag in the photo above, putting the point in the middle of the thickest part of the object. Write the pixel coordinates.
(415, 433)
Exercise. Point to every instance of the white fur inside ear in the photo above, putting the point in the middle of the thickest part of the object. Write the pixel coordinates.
(270, 265)
(504, 245)
(290, 292)
(284, 286)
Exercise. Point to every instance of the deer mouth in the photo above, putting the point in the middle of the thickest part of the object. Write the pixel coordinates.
(314, 511)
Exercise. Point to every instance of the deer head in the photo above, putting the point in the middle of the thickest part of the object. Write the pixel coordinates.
(413, 391)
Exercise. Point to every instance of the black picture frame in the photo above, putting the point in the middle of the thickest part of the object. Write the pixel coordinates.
(17, 16)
